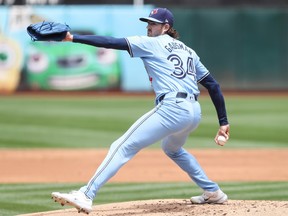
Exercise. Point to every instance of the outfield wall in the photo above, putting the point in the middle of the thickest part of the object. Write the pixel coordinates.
(244, 48)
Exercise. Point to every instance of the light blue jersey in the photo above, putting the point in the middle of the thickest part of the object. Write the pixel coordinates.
(174, 71)
(174, 68)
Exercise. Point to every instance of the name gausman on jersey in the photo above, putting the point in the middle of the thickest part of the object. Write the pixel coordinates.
(174, 45)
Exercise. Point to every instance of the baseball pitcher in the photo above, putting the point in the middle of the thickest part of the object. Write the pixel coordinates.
(174, 71)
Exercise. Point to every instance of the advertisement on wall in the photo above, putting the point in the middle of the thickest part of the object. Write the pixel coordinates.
(29, 65)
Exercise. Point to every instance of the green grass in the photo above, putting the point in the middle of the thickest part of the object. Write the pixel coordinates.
(91, 122)
(27, 198)
(95, 122)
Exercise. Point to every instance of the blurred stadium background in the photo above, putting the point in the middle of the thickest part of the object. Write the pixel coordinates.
(244, 43)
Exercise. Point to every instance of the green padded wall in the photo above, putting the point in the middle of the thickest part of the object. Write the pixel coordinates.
(244, 48)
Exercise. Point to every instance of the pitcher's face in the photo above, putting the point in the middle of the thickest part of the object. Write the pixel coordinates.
(155, 29)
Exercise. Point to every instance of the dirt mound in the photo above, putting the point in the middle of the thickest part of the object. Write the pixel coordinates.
(180, 208)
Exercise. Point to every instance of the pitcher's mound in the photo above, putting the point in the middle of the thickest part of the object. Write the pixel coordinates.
(180, 207)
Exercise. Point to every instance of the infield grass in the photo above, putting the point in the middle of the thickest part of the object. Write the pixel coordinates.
(95, 122)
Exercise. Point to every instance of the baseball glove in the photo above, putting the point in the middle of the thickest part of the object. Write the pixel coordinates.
(47, 31)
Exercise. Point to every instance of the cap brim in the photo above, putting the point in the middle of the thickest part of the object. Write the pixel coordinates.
(146, 19)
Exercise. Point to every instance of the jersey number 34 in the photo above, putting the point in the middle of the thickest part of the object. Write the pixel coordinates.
(180, 72)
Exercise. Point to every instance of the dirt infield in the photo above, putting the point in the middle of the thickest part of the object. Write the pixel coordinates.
(78, 165)
(181, 208)
(152, 166)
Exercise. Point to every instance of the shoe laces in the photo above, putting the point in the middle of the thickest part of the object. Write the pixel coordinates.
(77, 193)
(208, 194)
(73, 192)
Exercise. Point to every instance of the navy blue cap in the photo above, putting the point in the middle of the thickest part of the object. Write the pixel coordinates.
(160, 15)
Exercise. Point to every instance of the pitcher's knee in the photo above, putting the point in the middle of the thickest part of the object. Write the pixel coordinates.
(169, 150)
